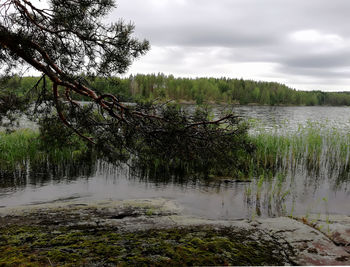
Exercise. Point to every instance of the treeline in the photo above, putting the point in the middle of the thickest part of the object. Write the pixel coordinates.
(199, 90)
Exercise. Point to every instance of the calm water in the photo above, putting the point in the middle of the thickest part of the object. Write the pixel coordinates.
(291, 117)
(299, 192)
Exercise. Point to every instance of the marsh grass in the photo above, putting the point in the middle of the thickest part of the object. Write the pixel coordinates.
(315, 148)
(19, 147)
(285, 161)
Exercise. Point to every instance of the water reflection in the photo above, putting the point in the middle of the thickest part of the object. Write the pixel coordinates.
(266, 196)
(40, 173)
(298, 184)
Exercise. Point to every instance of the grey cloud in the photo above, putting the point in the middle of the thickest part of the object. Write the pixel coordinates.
(233, 20)
(328, 61)
(319, 73)
(245, 31)
(209, 36)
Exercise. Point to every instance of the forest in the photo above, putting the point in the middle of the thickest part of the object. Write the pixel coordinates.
(163, 87)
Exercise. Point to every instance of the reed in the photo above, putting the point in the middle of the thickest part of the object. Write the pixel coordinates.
(310, 154)
(15, 147)
(314, 147)
(21, 146)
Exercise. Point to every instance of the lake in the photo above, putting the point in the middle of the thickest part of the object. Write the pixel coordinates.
(300, 191)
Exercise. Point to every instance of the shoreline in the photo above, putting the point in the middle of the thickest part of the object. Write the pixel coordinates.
(62, 232)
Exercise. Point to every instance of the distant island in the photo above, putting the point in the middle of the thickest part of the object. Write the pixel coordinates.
(163, 87)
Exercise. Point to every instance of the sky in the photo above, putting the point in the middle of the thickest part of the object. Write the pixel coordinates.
(304, 44)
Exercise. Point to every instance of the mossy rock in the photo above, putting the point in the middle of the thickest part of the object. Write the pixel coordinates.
(69, 246)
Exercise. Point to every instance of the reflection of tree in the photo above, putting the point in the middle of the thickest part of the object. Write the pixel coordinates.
(43, 171)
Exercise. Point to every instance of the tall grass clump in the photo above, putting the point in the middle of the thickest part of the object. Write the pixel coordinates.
(25, 145)
(17, 146)
(315, 147)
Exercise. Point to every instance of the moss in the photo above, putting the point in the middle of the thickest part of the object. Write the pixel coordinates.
(149, 212)
(68, 246)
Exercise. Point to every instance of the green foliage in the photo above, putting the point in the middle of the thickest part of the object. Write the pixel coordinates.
(215, 90)
(180, 143)
(71, 34)
(54, 136)
(199, 90)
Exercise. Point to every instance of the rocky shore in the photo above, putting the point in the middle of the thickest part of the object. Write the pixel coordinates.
(155, 232)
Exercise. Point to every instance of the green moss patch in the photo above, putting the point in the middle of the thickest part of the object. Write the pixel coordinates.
(72, 246)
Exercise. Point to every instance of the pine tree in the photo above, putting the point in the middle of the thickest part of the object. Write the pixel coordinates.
(70, 44)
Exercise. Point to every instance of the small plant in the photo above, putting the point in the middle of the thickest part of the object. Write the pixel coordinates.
(248, 191)
(259, 186)
(253, 217)
(291, 214)
(325, 200)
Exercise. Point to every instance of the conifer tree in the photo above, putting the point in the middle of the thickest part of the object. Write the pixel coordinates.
(69, 43)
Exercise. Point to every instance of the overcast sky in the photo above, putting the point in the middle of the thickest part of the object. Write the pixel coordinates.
(302, 43)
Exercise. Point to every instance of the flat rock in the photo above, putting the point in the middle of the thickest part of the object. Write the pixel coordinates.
(336, 227)
(311, 246)
(318, 240)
